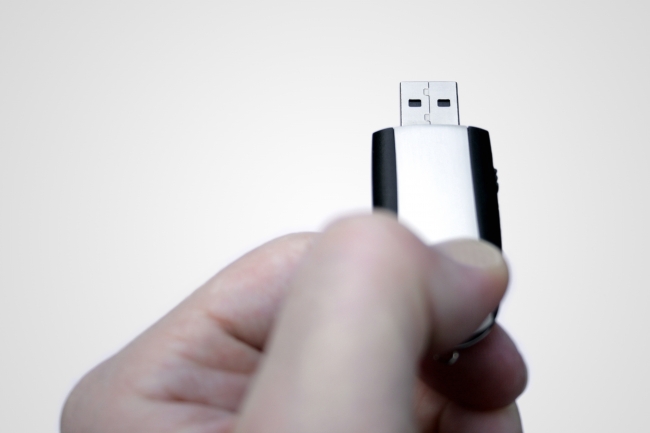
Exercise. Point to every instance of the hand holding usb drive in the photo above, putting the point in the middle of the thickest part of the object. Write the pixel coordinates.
(436, 175)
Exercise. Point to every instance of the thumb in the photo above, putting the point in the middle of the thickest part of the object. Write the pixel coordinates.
(366, 302)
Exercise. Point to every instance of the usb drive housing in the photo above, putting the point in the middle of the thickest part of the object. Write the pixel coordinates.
(435, 174)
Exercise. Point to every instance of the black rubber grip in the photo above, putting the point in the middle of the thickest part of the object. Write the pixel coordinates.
(384, 170)
(485, 185)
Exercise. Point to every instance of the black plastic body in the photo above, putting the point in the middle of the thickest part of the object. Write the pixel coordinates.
(385, 188)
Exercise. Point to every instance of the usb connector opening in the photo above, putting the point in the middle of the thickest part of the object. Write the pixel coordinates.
(429, 103)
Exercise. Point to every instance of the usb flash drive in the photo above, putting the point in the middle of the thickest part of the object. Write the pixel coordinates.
(436, 175)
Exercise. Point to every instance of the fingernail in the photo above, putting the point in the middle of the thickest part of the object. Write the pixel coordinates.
(468, 252)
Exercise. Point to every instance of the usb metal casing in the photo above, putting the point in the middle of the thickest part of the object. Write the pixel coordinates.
(435, 174)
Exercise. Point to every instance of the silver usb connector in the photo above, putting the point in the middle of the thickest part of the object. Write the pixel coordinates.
(429, 103)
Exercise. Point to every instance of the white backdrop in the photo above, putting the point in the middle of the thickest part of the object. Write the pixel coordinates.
(144, 145)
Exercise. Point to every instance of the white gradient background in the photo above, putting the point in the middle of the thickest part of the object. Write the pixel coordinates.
(145, 145)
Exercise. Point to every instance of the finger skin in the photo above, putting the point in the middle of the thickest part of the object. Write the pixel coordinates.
(486, 376)
(367, 300)
(187, 371)
(245, 297)
(457, 419)
(221, 328)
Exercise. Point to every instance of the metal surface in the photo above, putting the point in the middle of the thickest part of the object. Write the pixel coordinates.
(429, 103)
(435, 190)
(434, 182)
(480, 333)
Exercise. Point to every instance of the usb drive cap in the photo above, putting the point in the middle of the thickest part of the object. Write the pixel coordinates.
(429, 103)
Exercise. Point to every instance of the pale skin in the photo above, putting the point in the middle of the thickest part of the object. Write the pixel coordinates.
(311, 333)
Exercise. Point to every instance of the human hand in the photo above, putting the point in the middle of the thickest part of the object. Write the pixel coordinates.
(332, 332)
